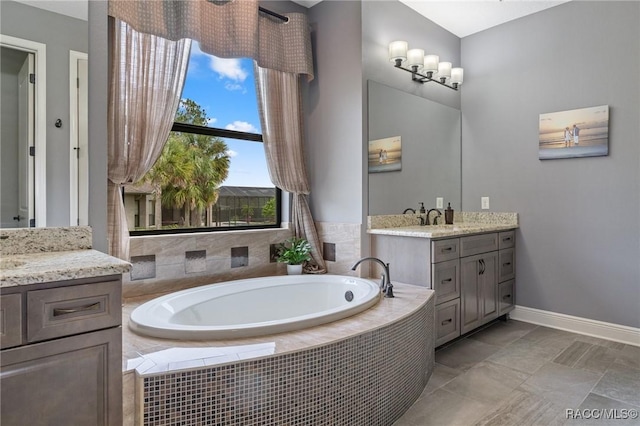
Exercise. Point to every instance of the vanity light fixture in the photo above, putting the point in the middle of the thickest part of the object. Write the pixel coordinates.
(424, 68)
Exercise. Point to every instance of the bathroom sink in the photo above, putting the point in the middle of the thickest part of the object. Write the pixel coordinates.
(11, 264)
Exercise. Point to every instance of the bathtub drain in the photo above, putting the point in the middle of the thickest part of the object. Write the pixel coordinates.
(348, 295)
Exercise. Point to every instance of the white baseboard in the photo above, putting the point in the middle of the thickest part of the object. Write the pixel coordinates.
(589, 327)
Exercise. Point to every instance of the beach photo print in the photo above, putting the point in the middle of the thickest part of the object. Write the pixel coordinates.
(385, 155)
(575, 133)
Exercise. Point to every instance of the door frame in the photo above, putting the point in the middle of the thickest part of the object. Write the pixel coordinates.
(78, 175)
(40, 120)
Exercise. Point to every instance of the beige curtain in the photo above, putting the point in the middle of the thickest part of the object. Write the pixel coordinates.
(146, 78)
(227, 29)
(280, 105)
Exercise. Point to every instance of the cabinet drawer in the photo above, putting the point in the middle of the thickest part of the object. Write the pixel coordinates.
(64, 311)
(10, 320)
(477, 244)
(506, 296)
(447, 321)
(446, 280)
(443, 250)
(506, 265)
(506, 239)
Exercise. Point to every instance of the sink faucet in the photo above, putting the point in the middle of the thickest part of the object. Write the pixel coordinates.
(385, 285)
(409, 209)
(435, 219)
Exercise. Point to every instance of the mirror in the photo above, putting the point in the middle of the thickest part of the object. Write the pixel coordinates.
(430, 162)
(44, 132)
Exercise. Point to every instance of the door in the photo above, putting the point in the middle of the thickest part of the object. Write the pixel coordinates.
(79, 138)
(26, 102)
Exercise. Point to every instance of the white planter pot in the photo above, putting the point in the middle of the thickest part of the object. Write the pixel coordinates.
(294, 269)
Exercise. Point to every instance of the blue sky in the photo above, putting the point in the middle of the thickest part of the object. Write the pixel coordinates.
(225, 89)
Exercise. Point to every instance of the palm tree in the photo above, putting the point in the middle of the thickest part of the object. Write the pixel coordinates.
(191, 168)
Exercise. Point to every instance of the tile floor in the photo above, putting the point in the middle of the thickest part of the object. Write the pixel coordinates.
(515, 373)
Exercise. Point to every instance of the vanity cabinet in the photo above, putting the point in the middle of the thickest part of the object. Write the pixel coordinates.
(473, 275)
(61, 358)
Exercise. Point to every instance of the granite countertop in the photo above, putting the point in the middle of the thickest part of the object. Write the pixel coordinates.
(464, 223)
(442, 231)
(32, 268)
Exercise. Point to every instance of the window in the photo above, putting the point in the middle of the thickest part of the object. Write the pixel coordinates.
(152, 213)
(212, 174)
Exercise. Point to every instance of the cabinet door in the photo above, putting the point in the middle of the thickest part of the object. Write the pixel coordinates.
(70, 381)
(479, 290)
(488, 278)
(470, 293)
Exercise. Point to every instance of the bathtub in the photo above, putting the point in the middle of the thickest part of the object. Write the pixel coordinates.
(254, 307)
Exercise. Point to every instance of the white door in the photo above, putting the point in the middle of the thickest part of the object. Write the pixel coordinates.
(26, 201)
(79, 96)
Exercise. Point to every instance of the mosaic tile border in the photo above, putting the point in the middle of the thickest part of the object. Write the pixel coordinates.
(369, 379)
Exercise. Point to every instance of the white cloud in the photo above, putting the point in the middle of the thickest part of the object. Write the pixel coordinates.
(235, 86)
(229, 68)
(231, 153)
(242, 126)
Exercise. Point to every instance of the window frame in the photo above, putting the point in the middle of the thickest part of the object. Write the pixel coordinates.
(222, 133)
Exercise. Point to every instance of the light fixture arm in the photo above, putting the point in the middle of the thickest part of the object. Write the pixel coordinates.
(424, 78)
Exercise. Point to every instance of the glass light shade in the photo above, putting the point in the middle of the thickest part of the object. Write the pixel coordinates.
(415, 57)
(444, 69)
(457, 75)
(398, 50)
(431, 63)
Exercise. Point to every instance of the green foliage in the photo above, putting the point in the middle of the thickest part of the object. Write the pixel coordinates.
(192, 167)
(294, 251)
(247, 212)
(269, 209)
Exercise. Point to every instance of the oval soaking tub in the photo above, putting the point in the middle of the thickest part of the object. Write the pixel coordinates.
(254, 307)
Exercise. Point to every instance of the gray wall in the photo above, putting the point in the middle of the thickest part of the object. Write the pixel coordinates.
(98, 83)
(60, 33)
(334, 113)
(578, 247)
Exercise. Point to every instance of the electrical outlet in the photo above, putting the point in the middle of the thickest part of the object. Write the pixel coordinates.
(439, 202)
(485, 203)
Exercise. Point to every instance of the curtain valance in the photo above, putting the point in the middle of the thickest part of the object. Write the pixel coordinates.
(227, 29)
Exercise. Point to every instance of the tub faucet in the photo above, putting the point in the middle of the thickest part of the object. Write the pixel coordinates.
(385, 284)
(409, 209)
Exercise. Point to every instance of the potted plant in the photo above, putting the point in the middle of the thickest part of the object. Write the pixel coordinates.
(294, 252)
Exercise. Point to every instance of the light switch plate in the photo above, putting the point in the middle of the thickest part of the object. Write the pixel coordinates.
(485, 203)
(439, 202)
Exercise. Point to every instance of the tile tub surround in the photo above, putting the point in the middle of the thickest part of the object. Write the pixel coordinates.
(362, 370)
(174, 268)
(464, 223)
(41, 240)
